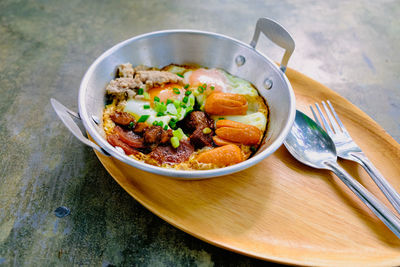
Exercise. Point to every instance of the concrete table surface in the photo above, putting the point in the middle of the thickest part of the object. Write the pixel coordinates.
(45, 48)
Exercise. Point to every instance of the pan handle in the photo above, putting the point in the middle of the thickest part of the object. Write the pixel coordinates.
(65, 115)
(277, 34)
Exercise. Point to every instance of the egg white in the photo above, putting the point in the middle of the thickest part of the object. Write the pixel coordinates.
(240, 86)
(257, 119)
(175, 69)
(234, 85)
(136, 108)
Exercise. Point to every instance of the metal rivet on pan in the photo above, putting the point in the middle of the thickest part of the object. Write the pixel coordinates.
(268, 84)
(240, 60)
(96, 119)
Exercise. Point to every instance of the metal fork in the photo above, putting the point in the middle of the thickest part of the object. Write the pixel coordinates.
(346, 148)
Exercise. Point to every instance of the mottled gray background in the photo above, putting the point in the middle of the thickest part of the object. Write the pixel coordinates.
(45, 48)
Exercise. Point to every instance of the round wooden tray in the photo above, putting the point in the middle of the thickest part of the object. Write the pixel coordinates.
(281, 210)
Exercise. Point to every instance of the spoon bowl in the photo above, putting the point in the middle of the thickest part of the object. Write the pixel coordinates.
(309, 143)
(312, 146)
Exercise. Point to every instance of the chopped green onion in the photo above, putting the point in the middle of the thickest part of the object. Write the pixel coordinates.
(172, 123)
(180, 75)
(253, 149)
(177, 103)
(143, 118)
(191, 101)
(160, 107)
(186, 86)
(146, 96)
(221, 118)
(155, 123)
(200, 89)
(183, 105)
(160, 114)
(206, 130)
(156, 99)
(204, 86)
(131, 124)
(178, 133)
(169, 101)
(140, 91)
(166, 127)
(160, 123)
(176, 91)
(188, 93)
(174, 142)
(185, 99)
(189, 109)
(146, 106)
(212, 87)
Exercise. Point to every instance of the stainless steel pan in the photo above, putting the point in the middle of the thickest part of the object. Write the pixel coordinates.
(182, 47)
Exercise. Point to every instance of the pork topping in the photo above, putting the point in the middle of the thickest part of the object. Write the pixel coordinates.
(129, 137)
(155, 78)
(155, 135)
(201, 128)
(122, 118)
(122, 87)
(168, 154)
(139, 77)
(126, 70)
(114, 140)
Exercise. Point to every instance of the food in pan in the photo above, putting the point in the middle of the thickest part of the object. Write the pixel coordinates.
(183, 117)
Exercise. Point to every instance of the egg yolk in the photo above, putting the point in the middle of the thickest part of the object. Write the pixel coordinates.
(171, 91)
(211, 77)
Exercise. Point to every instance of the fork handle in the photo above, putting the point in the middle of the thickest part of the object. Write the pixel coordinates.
(388, 190)
(377, 207)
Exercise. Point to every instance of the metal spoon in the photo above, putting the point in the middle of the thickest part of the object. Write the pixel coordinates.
(312, 146)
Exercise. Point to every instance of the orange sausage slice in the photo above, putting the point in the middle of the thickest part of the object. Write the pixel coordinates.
(238, 132)
(226, 104)
(222, 156)
(221, 142)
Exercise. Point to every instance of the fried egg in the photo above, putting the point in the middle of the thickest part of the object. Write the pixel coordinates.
(213, 78)
(161, 110)
(171, 91)
(218, 80)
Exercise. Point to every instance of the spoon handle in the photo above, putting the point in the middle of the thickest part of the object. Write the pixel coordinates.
(377, 207)
(378, 178)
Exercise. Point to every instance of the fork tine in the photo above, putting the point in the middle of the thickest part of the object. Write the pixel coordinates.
(337, 117)
(315, 117)
(326, 124)
(331, 119)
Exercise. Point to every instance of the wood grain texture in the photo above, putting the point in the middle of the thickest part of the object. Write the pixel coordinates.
(281, 210)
